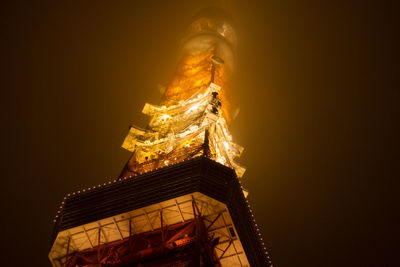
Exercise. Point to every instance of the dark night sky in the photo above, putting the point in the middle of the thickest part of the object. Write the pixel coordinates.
(315, 84)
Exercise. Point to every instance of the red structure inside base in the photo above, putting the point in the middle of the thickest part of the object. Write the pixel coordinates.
(183, 244)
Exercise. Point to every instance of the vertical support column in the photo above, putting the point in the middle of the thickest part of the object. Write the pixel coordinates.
(197, 255)
(215, 61)
(206, 144)
(130, 227)
(212, 71)
(195, 208)
(67, 254)
(98, 246)
(162, 229)
(130, 234)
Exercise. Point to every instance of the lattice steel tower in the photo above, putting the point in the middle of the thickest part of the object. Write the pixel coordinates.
(178, 201)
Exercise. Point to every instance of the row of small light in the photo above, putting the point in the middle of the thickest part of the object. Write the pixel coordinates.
(111, 182)
(260, 239)
(140, 173)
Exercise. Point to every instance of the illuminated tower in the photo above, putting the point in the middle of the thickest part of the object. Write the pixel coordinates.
(178, 200)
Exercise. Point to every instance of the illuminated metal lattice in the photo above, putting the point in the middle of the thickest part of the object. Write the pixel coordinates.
(182, 131)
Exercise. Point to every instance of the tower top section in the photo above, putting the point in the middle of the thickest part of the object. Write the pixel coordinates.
(216, 22)
(193, 117)
(212, 30)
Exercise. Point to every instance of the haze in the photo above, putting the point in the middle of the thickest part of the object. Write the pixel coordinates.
(315, 88)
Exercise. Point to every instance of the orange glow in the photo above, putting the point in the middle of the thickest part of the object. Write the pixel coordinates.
(193, 76)
(193, 116)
